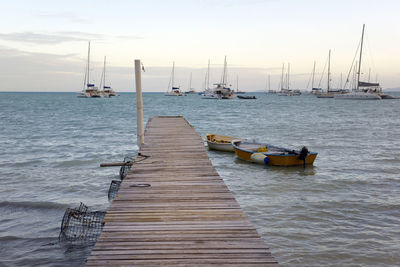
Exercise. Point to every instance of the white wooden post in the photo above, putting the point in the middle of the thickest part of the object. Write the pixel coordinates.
(139, 103)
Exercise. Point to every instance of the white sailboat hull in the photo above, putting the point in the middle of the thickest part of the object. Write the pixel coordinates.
(357, 96)
(210, 96)
(220, 147)
(82, 95)
(174, 94)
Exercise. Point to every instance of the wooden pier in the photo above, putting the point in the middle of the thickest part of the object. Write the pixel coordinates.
(187, 216)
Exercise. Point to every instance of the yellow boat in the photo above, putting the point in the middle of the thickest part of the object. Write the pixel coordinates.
(272, 155)
(220, 142)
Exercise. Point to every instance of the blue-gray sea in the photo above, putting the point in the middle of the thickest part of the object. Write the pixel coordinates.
(343, 211)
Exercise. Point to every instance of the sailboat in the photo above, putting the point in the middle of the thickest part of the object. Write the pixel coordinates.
(363, 90)
(293, 92)
(208, 93)
(281, 91)
(237, 86)
(175, 91)
(328, 93)
(191, 90)
(221, 91)
(90, 90)
(107, 90)
(314, 90)
(268, 85)
(287, 91)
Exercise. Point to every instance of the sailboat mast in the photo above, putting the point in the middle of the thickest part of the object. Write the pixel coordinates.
(313, 74)
(283, 69)
(84, 79)
(208, 75)
(190, 82)
(224, 73)
(359, 62)
(288, 70)
(269, 82)
(172, 76)
(104, 76)
(88, 68)
(341, 81)
(329, 69)
(355, 76)
(266, 85)
(237, 83)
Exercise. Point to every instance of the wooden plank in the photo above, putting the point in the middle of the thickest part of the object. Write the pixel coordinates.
(187, 216)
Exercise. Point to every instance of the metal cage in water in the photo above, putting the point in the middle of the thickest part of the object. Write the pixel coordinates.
(114, 187)
(81, 226)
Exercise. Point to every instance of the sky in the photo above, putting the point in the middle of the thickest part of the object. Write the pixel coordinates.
(43, 44)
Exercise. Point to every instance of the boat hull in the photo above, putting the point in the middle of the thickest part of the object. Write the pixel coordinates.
(173, 94)
(325, 95)
(284, 159)
(220, 142)
(82, 95)
(246, 97)
(385, 96)
(358, 96)
(220, 147)
(210, 96)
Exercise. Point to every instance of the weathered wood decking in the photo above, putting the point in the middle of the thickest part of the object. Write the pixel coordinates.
(186, 217)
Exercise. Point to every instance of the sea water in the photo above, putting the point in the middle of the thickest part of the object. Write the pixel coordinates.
(343, 211)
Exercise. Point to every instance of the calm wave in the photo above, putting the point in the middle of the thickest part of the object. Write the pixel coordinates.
(345, 210)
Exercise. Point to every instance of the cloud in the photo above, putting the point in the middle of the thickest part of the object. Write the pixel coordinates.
(49, 38)
(60, 37)
(26, 71)
(31, 71)
(67, 16)
(235, 3)
(129, 37)
(37, 38)
(83, 35)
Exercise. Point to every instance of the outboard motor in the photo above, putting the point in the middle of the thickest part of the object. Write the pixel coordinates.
(303, 155)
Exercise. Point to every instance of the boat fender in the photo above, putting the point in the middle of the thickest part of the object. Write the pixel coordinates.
(259, 158)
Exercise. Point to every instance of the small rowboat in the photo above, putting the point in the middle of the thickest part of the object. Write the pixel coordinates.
(272, 155)
(220, 142)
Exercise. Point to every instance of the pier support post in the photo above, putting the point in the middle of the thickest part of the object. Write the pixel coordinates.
(139, 103)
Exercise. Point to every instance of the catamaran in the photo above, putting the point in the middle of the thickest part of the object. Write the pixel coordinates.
(237, 86)
(363, 90)
(287, 91)
(268, 85)
(221, 91)
(283, 91)
(107, 90)
(208, 93)
(175, 91)
(314, 90)
(191, 90)
(90, 90)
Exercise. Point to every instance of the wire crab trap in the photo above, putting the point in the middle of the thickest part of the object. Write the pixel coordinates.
(113, 190)
(125, 169)
(80, 226)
